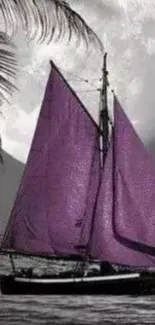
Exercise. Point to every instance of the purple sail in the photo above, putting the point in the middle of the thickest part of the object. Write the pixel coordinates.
(51, 203)
(135, 183)
(93, 189)
(124, 221)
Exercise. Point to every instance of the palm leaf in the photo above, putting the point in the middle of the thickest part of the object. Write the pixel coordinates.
(1, 153)
(44, 20)
(8, 67)
(7, 73)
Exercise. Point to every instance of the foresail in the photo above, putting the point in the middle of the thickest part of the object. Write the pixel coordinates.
(52, 199)
(135, 183)
(125, 208)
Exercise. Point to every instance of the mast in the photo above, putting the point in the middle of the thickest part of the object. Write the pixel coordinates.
(103, 147)
(103, 117)
(105, 266)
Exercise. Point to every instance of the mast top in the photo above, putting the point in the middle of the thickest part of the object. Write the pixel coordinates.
(105, 82)
(104, 126)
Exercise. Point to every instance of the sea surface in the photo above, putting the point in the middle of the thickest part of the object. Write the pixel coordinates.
(71, 310)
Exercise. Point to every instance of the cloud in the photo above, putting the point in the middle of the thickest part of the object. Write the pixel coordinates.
(126, 28)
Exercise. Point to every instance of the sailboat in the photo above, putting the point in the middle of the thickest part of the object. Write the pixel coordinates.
(86, 194)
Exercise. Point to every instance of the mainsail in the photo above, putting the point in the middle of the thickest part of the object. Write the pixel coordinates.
(134, 184)
(125, 213)
(49, 213)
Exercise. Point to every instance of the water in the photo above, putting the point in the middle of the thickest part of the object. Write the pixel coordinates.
(72, 310)
(76, 310)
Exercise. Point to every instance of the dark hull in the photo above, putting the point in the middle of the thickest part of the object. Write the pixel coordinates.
(140, 285)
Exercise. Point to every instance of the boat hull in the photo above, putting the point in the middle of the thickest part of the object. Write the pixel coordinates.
(128, 284)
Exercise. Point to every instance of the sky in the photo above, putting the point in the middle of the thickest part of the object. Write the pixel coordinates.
(127, 30)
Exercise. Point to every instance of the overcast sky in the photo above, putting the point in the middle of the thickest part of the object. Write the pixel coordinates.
(127, 30)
